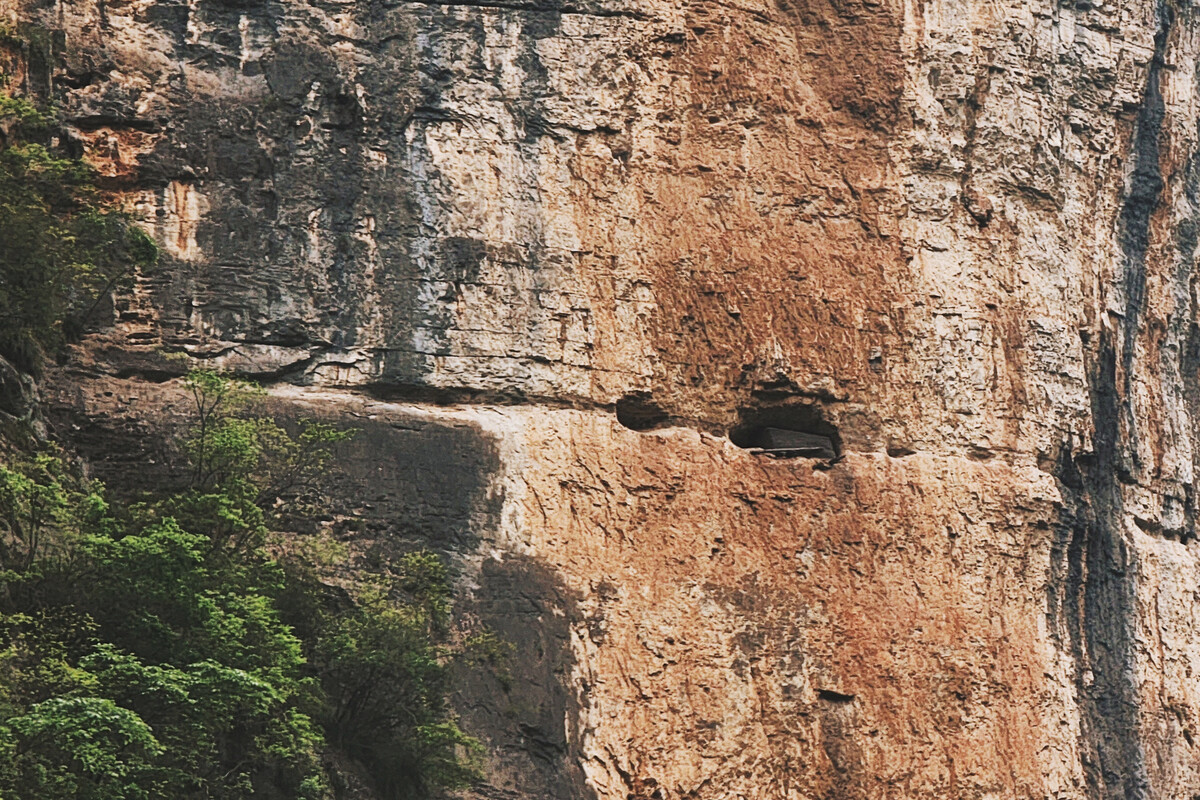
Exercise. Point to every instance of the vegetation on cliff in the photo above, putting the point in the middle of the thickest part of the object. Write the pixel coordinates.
(62, 249)
(172, 648)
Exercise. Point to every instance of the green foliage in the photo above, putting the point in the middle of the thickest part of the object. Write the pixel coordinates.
(40, 505)
(63, 250)
(20, 114)
(79, 748)
(385, 678)
(204, 713)
(244, 465)
(167, 650)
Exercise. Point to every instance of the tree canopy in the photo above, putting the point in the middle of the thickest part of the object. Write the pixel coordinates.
(160, 649)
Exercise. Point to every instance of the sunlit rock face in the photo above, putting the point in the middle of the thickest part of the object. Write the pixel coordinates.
(569, 248)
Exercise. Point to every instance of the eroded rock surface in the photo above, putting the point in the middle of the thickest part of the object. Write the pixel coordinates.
(960, 234)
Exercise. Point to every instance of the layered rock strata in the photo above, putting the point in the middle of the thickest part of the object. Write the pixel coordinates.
(551, 255)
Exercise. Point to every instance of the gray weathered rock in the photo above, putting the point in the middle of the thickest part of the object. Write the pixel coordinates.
(963, 235)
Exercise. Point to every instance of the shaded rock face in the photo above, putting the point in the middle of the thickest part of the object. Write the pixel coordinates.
(961, 236)
(18, 394)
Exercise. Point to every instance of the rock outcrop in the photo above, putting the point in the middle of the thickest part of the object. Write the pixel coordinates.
(550, 254)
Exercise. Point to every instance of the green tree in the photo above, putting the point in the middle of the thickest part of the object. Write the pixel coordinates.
(383, 669)
(63, 249)
(167, 649)
(79, 748)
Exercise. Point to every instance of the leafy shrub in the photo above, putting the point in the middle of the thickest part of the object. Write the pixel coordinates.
(79, 748)
(162, 650)
(385, 680)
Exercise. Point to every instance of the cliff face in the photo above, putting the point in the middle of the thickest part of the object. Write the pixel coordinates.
(549, 255)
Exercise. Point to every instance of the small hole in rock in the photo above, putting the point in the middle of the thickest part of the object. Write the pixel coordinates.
(639, 413)
(796, 431)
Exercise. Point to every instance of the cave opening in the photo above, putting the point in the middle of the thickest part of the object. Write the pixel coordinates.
(639, 412)
(792, 431)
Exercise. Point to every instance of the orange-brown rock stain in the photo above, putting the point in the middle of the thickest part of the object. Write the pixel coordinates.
(862, 631)
(758, 207)
(115, 154)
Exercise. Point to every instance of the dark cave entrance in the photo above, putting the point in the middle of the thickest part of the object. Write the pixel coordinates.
(639, 413)
(794, 431)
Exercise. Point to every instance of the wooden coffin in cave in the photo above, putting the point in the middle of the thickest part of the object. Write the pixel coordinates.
(797, 443)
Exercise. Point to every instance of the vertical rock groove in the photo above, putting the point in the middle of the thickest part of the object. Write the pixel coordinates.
(1141, 199)
(1102, 564)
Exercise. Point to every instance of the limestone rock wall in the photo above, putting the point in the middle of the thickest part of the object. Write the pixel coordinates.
(960, 233)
